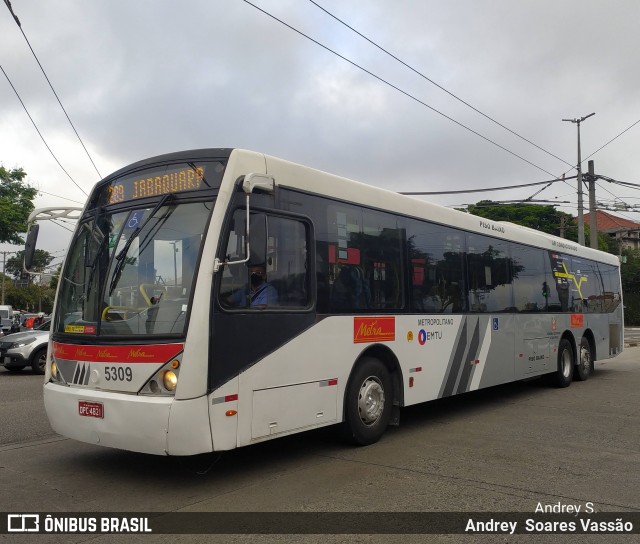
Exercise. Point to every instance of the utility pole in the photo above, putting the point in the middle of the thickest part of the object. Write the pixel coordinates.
(580, 199)
(4, 263)
(593, 220)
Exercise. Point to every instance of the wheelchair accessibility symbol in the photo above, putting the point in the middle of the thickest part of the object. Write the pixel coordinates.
(496, 323)
(135, 218)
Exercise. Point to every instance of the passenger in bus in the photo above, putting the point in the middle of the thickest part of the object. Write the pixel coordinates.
(350, 290)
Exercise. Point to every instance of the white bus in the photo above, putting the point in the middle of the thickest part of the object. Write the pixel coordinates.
(373, 301)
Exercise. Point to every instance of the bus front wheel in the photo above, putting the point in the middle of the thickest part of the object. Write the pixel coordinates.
(368, 402)
(566, 361)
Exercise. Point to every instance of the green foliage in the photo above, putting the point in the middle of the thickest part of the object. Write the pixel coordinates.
(41, 259)
(34, 298)
(16, 203)
(630, 272)
(543, 218)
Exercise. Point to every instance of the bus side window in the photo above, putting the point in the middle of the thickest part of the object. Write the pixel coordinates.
(279, 249)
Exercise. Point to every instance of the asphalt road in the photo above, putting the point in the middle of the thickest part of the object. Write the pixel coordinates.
(499, 450)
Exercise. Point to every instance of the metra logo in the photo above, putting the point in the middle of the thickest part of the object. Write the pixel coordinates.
(60, 351)
(139, 354)
(106, 354)
(374, 329)
(81, 353)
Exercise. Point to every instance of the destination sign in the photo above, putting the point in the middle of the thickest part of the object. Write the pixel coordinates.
(151, 184)
(160, 181)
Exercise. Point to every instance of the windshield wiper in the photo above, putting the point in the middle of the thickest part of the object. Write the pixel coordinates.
(101, 247)
(121, 256)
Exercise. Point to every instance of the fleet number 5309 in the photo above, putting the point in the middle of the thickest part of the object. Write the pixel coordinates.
(118, 373)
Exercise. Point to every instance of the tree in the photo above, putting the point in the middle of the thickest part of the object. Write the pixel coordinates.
(16, 203)
(543, 218)
(630, 272)
(41, 259)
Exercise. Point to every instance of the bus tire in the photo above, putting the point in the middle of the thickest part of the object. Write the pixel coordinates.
(368, 402)
(584, 364)
(566, 362)
(39, 361)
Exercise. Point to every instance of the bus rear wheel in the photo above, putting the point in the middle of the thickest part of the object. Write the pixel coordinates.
(368, 402)
(584, 364)
(566, 362)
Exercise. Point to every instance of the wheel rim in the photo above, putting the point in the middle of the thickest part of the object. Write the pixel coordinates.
(371, 401)
(42, 361)
(585, 358)
(566, 363)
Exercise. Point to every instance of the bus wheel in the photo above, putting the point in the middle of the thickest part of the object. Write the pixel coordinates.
(563, 376)
(585, 361)
(368, 402)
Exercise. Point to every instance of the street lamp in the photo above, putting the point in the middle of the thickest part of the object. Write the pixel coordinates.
(580, 202)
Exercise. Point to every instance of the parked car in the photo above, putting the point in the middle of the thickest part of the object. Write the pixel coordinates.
(28, 348)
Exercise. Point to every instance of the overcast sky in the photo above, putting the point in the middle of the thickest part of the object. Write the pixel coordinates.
(141, 78)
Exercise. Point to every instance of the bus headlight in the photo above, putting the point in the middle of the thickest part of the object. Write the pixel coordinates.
(56, 375)
(169, 380)
(164, 381)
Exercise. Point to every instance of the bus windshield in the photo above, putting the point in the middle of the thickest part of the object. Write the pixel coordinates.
(132, 272)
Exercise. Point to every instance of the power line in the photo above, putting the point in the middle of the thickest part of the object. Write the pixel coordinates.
(40, 134)
(423, 76)
(62, 197)
(395, 87)
(612, 139)
(8, 3)
(487, 189)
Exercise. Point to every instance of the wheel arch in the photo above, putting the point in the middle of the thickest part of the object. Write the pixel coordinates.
(385, 355)
(35, 352)
(568, 335)
(588, 334)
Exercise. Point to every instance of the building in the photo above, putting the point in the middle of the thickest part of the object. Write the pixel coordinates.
(625, 231)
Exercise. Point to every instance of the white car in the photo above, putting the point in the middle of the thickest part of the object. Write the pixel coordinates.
(28, 348)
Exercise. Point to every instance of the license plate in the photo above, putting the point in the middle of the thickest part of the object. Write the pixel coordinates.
(91, 409)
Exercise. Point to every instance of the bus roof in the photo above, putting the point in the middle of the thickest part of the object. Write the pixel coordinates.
(315, 181)
(304, 178)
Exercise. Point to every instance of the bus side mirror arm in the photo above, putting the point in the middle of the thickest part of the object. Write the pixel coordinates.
(43, 214)
(250, 183)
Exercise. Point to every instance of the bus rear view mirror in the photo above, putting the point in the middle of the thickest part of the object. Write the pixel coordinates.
(258, 230)
(251, 183)
(30, 246)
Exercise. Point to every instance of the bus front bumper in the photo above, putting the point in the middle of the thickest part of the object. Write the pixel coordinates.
(115, 420)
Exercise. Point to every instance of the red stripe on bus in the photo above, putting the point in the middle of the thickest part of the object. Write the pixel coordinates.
(230, 398)
(145, 353)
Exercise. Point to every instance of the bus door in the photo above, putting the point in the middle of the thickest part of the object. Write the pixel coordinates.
(263, 303)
